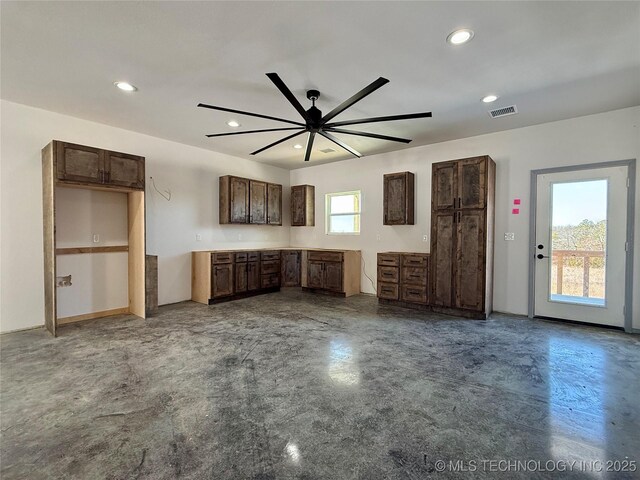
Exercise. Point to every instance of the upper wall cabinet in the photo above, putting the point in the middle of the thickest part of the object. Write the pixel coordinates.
(460, 184)
(303, 198)
(79, 164)
(248, 201)
(399, 198)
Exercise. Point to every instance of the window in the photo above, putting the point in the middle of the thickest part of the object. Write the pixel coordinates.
(343, 213)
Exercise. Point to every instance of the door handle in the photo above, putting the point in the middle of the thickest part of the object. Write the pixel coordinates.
(540, 246)
(541, 256)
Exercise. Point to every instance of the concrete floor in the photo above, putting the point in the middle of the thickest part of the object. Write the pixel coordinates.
(297, 385)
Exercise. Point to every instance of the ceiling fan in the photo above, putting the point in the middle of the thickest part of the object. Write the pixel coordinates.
(315, 123)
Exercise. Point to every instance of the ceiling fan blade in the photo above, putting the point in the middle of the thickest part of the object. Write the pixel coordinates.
(328, 136)
(240, 112)
(287, 93)
(253, 131)
(380, 119)
(367, 134)
(307, 155)
(278, 142)
(355, 98)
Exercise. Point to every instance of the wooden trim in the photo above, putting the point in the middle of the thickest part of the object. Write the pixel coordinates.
(49, 236)
(78, 250)
(91, 316)
(201, 277)
(137, 251)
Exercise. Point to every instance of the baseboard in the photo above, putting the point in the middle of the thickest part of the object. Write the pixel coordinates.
(35, 327)
(91, 316)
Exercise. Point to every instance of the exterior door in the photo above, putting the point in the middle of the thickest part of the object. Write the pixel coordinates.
(258, 201)
(580, 245)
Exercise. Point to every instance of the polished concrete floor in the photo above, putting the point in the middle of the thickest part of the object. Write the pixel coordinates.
(297, 385)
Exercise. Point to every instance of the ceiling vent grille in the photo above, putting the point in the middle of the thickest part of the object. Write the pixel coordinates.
(327, 150)
(503, 112)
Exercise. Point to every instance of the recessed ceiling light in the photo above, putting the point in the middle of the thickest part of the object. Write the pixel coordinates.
(127, 87)
(490, 98)
(297, 146)
(233, 123)
(460, 36)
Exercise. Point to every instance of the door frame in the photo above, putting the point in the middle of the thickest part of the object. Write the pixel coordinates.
(631, 194)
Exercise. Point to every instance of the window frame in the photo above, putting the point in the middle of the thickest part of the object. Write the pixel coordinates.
(328, 214)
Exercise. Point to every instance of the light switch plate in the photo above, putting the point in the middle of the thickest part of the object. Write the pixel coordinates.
(198, 237)
(425, 238)
(509, 236)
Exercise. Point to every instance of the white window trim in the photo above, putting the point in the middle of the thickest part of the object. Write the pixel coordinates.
(328, 215)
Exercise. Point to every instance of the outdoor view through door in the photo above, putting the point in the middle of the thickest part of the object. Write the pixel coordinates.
(579, 241)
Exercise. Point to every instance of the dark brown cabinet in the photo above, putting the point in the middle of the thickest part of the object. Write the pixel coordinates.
(404, 277)
(246, 201)
(270, 269)
(221, 280)
(462, 235)
(247, 272)
(325, 271)
(291, 268)
(303, 199)
(398, 198)
(274, 204)
(257, 202)
(80, 164)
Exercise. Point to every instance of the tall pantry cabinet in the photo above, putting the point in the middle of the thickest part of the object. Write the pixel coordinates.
(462, 236)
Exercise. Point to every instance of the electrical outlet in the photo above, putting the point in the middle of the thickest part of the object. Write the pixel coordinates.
(425, 238)
(198, 237)
(378, 236)
(509, 236)
(96, 238)
(239, 236)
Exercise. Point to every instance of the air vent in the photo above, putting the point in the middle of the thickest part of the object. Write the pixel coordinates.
(327, 150)
(503, 112)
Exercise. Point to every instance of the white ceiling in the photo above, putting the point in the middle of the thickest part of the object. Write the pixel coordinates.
(553, 60)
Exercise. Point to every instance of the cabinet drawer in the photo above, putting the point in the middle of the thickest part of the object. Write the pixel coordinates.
(414, 260)
(414, 276)
(241, 257)
(270, 255)
(388, 291)
(325, 256)
(221, 257)
(253, 256)
(414, 294)
(271, 266)
(270, 280)
(388, 274)
(389, 259)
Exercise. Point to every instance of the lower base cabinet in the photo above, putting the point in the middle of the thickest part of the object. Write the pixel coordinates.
(404, 278)
(218, 276)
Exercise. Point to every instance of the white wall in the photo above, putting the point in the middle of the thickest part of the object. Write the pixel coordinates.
(191, 174)
(595, 138)
(99, 281)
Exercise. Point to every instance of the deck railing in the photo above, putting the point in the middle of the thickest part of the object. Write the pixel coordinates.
(559, 257)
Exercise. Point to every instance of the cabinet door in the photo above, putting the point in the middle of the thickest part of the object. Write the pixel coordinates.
(290, 269)
(253, 276)
(222, 280)
(444, 179)
(274, 204)
(258, 202)
(239, 200)
(298, 206)
(472, 182)
(315, 270)
(124, 170)
(240, 284)
(77, 163)
(398, 199)
(442, 257)
(470, 264)
(333, 276)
